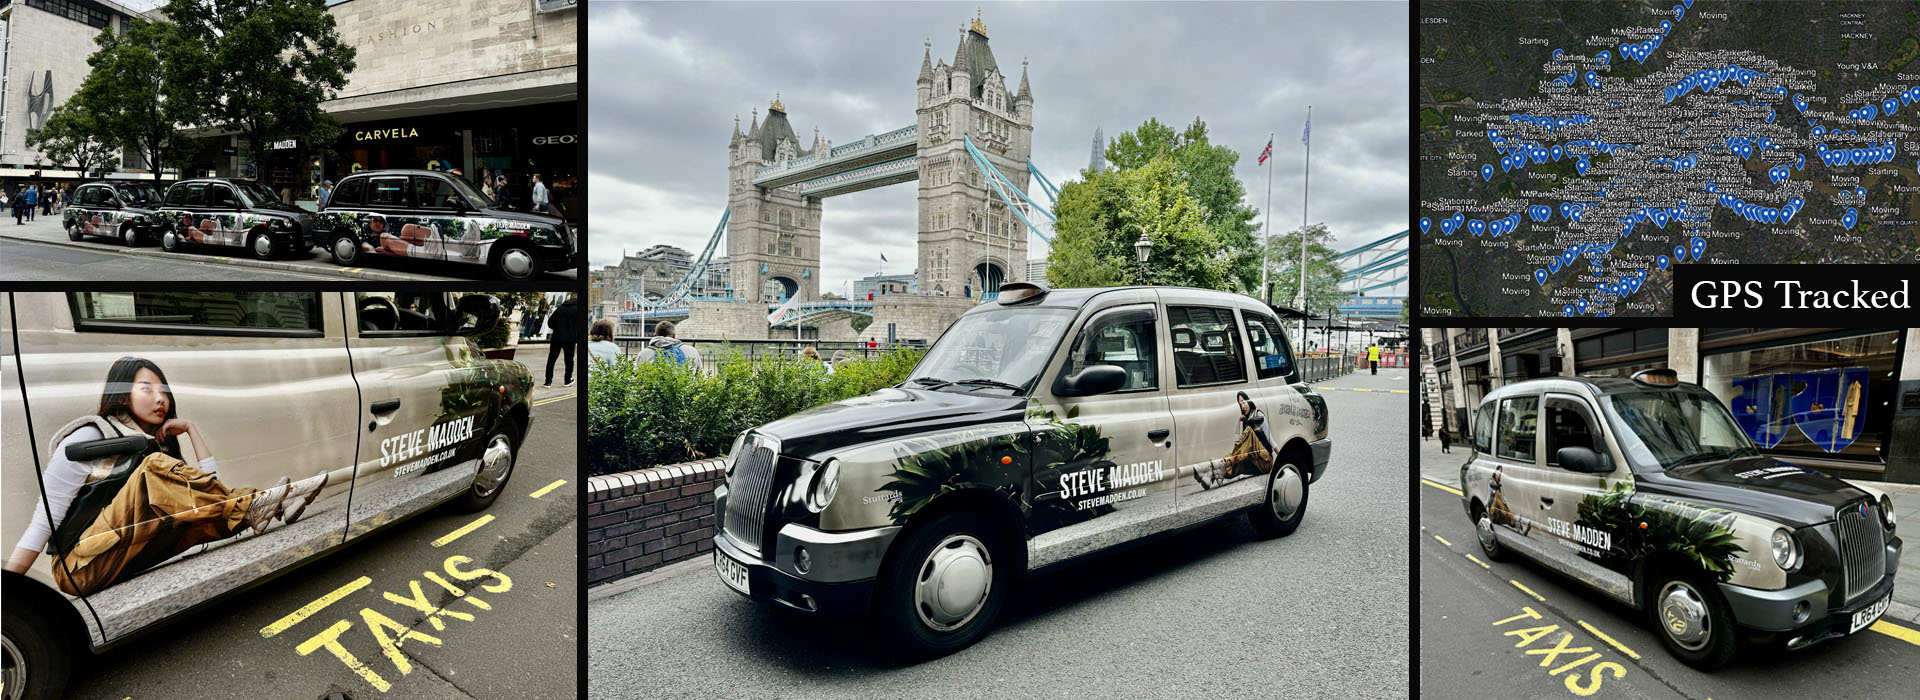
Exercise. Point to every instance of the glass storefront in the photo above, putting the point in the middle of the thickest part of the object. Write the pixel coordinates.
(1826, 398)
(515, 142)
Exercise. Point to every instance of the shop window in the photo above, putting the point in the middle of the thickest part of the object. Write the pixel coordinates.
(1828, 398)
(387, 192)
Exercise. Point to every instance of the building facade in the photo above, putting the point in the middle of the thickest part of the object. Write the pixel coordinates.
(865, 288)
(653, 273)
(970, 243)
(43, 62)
(1844, 401)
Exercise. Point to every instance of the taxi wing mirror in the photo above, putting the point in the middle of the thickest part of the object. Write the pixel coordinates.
(1583, 460)
(478, 313)
(1092, 381)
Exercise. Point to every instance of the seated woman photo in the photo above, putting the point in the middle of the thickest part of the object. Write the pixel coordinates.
(160, 507)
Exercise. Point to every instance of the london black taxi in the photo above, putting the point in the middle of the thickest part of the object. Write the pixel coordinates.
(434, 215)
(1041, 426)
(1647, 490)
(251, 417)
(233, 212)
(126, 210)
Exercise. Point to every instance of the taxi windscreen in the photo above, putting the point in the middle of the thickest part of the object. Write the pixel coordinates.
(1009, 346)
(1673, 429)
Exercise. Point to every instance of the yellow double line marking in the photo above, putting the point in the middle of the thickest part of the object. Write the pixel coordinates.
(552, 399)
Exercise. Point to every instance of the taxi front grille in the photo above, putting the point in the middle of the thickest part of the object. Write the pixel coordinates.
(747, 494)
(1862, 549)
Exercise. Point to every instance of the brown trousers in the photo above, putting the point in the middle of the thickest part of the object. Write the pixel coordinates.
(1248, 457)
(166, 507)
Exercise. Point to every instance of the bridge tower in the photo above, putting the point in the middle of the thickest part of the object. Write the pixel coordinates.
(969, 242)
(773, 234)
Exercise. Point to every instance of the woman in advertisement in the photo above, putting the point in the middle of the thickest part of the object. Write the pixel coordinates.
(162, 507)
(1252, 453)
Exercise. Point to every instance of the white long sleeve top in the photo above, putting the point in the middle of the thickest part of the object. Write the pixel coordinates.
(62, 481)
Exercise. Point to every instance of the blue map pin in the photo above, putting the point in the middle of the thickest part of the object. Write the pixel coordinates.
(1581, 305)
(1477, 226)
(1486, 172)
(1699, 246)
(1567, 310)
(1604, 57)
(1540, 276)
(1662, 262)
(1860, 193)
(1849, 218)
(1889, 106)
(1679, 253)
(1425, 224)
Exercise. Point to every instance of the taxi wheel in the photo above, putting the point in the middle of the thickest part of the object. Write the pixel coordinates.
(172, 242)
(261, 246)
(497, 455)
(1286, 502)
(1694, 621)
(129, 236)
(514, 263)
(943, 585)
(1488, 535)
(74, 234)
(38, 658)
(345, 249)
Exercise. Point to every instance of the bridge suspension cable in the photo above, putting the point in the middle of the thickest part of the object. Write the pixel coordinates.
(1001, 186)
(677, 296)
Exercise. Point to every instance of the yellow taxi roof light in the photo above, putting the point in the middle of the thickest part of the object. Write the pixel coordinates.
(1657, 377)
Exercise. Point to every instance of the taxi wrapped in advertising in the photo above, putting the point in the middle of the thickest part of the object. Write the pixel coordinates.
(1042, 427)
(1647, 490)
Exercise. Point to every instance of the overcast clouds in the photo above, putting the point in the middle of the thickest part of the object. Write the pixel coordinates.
(666, 79)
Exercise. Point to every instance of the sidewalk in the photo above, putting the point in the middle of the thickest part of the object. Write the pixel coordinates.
(1444, 468)
(46, 230)
(1389, 380)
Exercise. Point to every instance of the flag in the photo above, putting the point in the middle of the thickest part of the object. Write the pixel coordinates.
(883, 257)
(1265, 153)
(1305, 129)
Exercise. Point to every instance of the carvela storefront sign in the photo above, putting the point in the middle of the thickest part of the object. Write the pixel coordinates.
(386, 133)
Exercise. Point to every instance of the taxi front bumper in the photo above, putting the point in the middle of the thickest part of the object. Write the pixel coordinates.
(839, 578)
(1773, 611)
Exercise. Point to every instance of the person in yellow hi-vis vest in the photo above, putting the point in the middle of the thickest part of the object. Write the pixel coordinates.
(1373, 357)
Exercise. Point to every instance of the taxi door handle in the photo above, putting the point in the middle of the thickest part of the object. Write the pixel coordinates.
(1157, 435)
(1547, 500)
(387, 406)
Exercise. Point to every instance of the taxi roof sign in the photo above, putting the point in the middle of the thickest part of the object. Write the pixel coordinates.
(1657, 377)
(1020, 293)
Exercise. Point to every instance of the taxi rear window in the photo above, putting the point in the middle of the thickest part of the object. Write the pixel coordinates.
(280, 314)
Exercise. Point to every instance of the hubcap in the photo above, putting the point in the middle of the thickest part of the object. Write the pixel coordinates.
(1683, 615)
(16, 672)
(262, 246)
(1485, 529)
(495, 462)
(517, 263)
(345, 249)
(953, 583)
(170, 240)
(1287, 491)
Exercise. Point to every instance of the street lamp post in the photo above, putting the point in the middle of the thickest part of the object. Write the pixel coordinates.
(1142, 248)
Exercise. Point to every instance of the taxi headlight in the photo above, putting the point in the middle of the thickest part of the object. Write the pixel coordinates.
(1786, 552)
(1886, 510)
(826, 482)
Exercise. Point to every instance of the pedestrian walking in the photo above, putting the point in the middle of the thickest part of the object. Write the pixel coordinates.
(46, 200)
(1445, 442)
(600, 345)
(1373, 357)
(539, 195)
(14, 202)
(326, 190)
(504, 193)
(564, 338)
(486, 188)
(32, 198)
(663, 346)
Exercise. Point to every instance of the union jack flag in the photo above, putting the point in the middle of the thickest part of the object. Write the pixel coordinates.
(1266, 153)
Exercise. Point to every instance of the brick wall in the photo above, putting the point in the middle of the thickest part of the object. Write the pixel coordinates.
(642, 520)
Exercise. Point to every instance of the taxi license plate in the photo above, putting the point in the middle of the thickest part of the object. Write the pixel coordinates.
(1867, 615)
(735, 573)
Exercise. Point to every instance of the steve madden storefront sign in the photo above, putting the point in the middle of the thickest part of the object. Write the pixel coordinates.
(398, 32)
(386, 134)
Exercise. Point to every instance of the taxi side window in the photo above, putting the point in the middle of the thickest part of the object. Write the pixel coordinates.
(434, 193)
(1518, 426)
(221, 196)
(188, 195)
(280, 314)
(1568, 425)
(1124, 339)
(397, 314)
(1206, 346)
(89, 195)
(1270, 357)
(1483, 429)
(349, 192)
(387, 192)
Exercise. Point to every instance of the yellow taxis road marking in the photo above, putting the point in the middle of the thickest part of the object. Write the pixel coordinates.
(1536, 596)
(1442, 487)
(549, 487)
(330, 641)
(1603, 636)
(1482, 564)
(1897, 632)
(457, 534)
(1443, 540)
(317, 605)
(549, 400)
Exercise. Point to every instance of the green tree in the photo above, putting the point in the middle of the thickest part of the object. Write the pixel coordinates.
(134, 97)
(74, 137)
(1323, 270)
(1208, 171)
(860, 323)
(264, 66)
(1101, 218)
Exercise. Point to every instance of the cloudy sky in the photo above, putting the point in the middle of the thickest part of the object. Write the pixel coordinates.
(666, 80)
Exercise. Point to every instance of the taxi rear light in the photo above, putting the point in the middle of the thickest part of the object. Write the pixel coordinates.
(1657, 377)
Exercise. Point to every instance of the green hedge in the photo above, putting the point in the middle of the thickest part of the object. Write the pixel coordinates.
(643, 415)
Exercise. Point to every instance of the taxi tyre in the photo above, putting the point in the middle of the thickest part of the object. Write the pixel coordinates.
(344, 247)
(172, 241)
(73, 232)
(44, 661)
(472, 500)
(896, 608)
(1723, 635)
(506, 253)
(261, 245)
(1267, 520)
(1489, 538)
(129, 236)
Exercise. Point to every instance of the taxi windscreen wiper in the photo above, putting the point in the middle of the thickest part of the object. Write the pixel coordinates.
(1701, 457)
(934, 382)
(991, 382)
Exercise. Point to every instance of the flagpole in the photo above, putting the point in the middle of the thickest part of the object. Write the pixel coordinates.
(1305, 138)
(1266, 223)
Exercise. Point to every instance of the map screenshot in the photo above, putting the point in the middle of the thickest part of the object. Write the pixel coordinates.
(1573, 154)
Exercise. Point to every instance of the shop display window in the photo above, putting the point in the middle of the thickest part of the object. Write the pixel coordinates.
(1828, 398)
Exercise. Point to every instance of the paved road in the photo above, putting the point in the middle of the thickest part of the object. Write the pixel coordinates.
(525, 646)
(40, 251)
(1211, 613)
(1482, 633)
